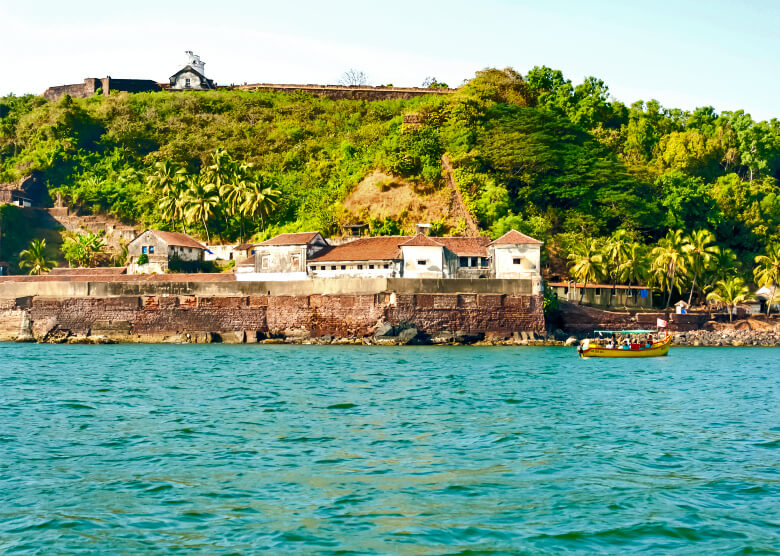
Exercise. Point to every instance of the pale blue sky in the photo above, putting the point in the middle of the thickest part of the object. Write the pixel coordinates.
(683, 53)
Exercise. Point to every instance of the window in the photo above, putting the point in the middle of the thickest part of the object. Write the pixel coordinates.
(387, 266)
(484, 262)
(598, 291)
(296, 262)
(343, 267)
(360, 267)
(151, 249)
(464, 261)
(566, 291)
(333, 267)
(371, 266)
(322, 267)
(264, 262)
(187, 82)
(517, 260)
(421, 262)
(144, 249)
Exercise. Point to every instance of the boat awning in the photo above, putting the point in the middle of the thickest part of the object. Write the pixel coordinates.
(624, 331)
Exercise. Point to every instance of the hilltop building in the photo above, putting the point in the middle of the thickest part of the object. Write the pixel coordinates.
(191, 77)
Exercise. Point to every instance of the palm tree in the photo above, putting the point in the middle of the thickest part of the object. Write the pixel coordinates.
(34, 258)
(730, 292)
(233, 192)
(587, 265)
(669, 262)
(615, 253)
(700, 250)
(767, 272)
(201, 199)
(635, 267)
(259, 201)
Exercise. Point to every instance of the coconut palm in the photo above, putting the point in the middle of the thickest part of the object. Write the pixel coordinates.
(668, 266)
(233, 192)
(259, 201)
(200, 201)
(586, 265)
(34, 258)
(767, 272)
(615, 253)
(635, 267)
(700, 251)
(730, 292)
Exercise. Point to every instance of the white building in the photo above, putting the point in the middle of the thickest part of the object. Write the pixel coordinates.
(284, 257)
(308, 255)
(191, 77)
(151, 251)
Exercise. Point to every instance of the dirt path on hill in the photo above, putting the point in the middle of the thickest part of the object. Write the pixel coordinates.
(458, 210)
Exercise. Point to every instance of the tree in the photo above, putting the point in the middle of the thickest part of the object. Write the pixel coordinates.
(83, 250)
(767, 271)
(34, 258)
(635, 267)
(701, 251)
(353, 78)
(730, 292)
(433, 83)
(586, 265)
(259, 200)
(201, 199)
(616, 251)
(668, 263)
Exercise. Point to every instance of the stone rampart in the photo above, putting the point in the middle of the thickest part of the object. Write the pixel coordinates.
(202, 307)
(340, 92)
(252, 318)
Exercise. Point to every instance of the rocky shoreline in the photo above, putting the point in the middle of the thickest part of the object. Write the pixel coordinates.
(406, 334)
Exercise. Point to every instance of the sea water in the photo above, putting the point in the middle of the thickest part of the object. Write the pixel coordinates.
(363, 450)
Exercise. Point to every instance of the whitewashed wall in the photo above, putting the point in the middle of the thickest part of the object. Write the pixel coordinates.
(435, 264)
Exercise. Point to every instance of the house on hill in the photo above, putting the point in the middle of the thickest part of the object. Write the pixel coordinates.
(151, 251)
(191, 77)
(27, 192)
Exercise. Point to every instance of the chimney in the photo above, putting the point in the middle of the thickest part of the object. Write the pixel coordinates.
(423, 228)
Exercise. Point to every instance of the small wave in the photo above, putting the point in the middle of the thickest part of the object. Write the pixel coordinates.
(342, 406)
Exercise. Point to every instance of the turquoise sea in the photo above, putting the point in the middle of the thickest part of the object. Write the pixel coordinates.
(366, 450)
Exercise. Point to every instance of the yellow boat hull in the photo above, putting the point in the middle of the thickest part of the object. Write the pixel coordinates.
(658, 349)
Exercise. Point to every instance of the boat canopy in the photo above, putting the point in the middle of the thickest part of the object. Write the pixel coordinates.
(600, 332)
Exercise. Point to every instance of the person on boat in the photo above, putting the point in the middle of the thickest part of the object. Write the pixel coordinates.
(626, 344)
(650, 340)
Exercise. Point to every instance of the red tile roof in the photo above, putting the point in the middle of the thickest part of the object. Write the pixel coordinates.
(382, 248)
(94, 271)
(513, 237)
(299, 238)
(466, 246)
(178, 239)
(421, 240)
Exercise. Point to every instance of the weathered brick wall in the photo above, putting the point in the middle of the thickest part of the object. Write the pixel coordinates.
(495, 315)
(315, 315)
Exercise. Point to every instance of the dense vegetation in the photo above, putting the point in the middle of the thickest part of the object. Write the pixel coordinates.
(563, 162)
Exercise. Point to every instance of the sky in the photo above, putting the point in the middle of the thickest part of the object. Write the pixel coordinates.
(683, 53)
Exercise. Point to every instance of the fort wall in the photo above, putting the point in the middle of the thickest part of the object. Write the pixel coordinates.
(217, 308)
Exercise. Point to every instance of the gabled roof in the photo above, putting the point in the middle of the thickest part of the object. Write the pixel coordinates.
(299, 238)
(513, 237)
(174, 238)
(244, 246)
(466, 246)
(382, 248)
(421, 240)
(189, 68)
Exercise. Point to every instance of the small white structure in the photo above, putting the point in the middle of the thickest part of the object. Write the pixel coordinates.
(283, 257)
(516, 255)
(681, 307)
(158, 247)
(191, 77)
(424, 257)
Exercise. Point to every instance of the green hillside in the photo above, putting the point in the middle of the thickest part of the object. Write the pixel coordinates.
(560, 161)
